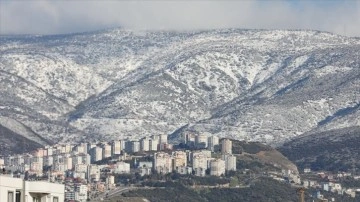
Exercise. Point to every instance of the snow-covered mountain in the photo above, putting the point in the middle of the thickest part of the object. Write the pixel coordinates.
(266, 85)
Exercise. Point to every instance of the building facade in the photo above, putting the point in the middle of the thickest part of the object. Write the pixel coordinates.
(19, 190)
(226, 146)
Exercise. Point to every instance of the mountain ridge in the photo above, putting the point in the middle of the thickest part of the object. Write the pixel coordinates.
(120, 83)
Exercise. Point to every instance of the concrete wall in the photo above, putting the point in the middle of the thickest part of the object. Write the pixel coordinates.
(9, 184)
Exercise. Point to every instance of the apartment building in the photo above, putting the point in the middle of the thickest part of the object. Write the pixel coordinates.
(19, 190)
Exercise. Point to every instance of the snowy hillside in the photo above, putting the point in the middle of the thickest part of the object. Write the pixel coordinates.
(266, 85)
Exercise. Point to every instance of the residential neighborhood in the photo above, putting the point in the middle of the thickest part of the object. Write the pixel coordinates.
(90, 171)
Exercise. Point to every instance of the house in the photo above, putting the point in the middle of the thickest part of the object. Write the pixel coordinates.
(19, 190)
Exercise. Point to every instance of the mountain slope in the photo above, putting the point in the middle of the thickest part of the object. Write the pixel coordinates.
(12, 142)
(265, 85)
(332, 150)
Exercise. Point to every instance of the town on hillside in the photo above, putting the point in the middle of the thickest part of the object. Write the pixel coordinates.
(99, 170)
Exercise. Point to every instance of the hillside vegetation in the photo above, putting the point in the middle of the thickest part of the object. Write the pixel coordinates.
(334, 150)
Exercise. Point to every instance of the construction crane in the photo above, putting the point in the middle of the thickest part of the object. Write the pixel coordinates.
(301, 192)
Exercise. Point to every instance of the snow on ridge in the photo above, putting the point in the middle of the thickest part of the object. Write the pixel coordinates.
(205, 70)
(331, 70)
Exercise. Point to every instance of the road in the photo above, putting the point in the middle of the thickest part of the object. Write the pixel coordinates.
(111, 193)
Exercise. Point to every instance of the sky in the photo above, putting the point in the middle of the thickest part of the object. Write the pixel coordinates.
(71, 16)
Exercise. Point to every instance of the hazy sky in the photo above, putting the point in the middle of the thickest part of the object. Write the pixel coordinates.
(66, 16)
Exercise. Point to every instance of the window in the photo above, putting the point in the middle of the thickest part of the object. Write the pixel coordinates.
(10, 196)
(55, 199)
(18, 196)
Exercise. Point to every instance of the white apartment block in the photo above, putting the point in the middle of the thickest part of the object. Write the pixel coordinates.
(201, 141)
(206, 153)
(135, 146)
(132, 146)
(226, 146)
(81, 192)
(96, 154)
(162, 163)
(49, 150)
(76, 160)
(68, 163)
(189, 139)
(58, 159)
(179, 159)
(80, 149)
(93, 173)
(48, 161)
(86, 158)
(154, 144)
(70, 195)
(18, 160)
(199, 164)
(18, 190)
(9, 161)
(36, 165)
(122, 167)
(60, 167)
(21, 168)
(40, 152)
(106, 151)
(156, 137)
(145, 144)
(81, 167)
(81, 175)
(163, 139)
(230, 162)
(213, 141)
(81, 159)
(27, 159)
(110, 180)
(116, 147)
(217, 167)
(68, 148)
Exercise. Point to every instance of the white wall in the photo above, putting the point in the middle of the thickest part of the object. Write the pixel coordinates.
(46, 189)
(7, 184)
(51, 189)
